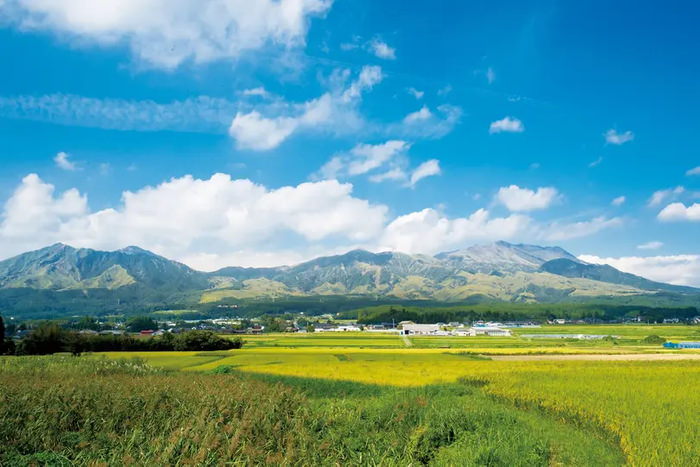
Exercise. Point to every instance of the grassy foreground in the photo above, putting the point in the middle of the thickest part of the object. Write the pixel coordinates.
(358, 399)
(66, 410)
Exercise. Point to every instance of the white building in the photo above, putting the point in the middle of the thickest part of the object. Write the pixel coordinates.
(488, 331)
(420, 329)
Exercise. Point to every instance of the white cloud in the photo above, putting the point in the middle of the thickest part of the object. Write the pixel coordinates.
(428, 231)
(523, 199)
(210, 223)
(679, 212)
(660, 196)
(677, 269)
(490, 75)
(416, 93)
(419, 115)
(259, 91)
(62, 161)
(331, 169)
(426, 169)
(507, 124)
(444, 90)
(199, 114)
(381, 49)
(253, 131)
(186, 216)
(392, 174)
(613, 137)
(367, 157)
(334, 111)
(693, 171)
(596, 162)
(165, 34)
(558, 231)
(425, 123)
(654, 245)
(619, 201)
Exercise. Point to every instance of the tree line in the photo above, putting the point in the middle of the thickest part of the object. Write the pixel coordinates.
(49, 338)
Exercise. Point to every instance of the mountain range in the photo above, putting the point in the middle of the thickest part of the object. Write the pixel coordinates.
(498, 271)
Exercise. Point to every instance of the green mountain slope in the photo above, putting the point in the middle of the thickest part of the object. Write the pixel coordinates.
(59, 275)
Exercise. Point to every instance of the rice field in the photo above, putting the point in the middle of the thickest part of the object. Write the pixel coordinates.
(649, 407)
(467, 401)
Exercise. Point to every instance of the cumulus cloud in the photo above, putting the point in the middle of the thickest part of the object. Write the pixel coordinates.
(253, 131)
(219, 221)
(507, 125)
(428, 168)
(613, 137)
(518, 199)
(186, 216)
(680, 212)
(693, 171)
(428, 231)
(676, 269)
(165, 34)
(654, 245)
(334, 111)
(559, 231)
(619, 201)
(62, 161)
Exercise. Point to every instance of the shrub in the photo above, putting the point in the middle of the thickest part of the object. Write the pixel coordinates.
(653, 339)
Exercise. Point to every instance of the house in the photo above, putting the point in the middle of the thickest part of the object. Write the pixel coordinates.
(420, 329)
(147, 332)
(488, 331)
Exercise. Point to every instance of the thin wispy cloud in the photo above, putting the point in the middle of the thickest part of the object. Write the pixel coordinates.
(613, 137)
(654, 245)
(619, 201)
(201, 114)
(596, 162)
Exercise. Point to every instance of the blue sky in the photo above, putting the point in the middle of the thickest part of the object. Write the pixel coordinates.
(344, 124)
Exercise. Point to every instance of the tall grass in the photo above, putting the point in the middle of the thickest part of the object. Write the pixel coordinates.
(68, 410)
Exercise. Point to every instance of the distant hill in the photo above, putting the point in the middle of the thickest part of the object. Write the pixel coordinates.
(63, 275)
(62, 267)
(605, 273)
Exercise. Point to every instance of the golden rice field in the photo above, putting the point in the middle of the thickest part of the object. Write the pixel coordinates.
(651, 408)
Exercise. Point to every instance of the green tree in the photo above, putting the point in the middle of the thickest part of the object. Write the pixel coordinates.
(141, 323)
(45, 339)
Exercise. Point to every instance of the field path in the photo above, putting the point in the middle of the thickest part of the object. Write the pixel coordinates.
(599, 357)
(405, 340)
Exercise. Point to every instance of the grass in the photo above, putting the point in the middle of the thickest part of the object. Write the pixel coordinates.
(638, 403)
(66, 410)
(353, 398)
